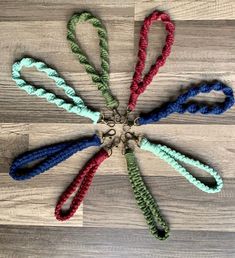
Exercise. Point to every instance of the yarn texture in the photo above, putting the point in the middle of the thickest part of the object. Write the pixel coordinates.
(48, 157)
(144, 199)
(78, 107)
(173, 158)
(140, 83)
(181, 106)
(101, 79)
(81, 184)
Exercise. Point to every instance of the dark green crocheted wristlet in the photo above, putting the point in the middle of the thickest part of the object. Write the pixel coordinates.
(101, 79)
(144, 199)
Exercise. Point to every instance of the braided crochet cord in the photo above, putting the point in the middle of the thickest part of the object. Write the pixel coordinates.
(144, 199)
(100, 79)
(48, 157)
(78, 107)
(140, 84)
(181, 106)
(81, 183)
(172, 157)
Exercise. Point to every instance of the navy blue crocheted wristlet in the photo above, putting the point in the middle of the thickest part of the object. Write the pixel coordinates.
(181, 106)
(52, 155)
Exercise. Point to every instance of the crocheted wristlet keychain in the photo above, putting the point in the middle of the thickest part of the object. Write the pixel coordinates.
(180, 106)
(139, 85)
(81, 183)
(173, 158)
(48, 157)
(101, 79)
(157, 226)
(78, 107)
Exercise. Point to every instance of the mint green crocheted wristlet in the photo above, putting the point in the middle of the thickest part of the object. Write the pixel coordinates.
(101, 79)
(78, 107)
(172, 157)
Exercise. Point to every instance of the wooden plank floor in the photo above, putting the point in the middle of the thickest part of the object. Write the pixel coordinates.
(109, 224)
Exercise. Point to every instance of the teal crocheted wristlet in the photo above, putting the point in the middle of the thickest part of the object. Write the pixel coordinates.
(78, 107)
(173, 158)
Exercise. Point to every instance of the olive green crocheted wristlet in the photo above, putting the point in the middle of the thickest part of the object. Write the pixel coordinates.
(101, 79)
(144, 199)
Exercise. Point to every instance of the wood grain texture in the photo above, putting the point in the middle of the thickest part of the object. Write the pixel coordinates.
(187, 9)
(57, 10)
(94, 242)
(47, 41)
(14, 139)
(43, 195)
(109, 224)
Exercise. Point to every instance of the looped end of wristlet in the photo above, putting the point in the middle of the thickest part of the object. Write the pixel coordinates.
(182, 105)
(100, 79)
(80, 185)
(77, 106)
(140, 82)
(176, 160)
(47, 157)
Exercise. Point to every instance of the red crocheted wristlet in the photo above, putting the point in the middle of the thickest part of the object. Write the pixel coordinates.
(81, 183)
(138, 84)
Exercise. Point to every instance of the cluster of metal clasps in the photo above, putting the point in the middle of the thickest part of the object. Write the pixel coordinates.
(126, 136)
(109, 140)
(116, 118)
